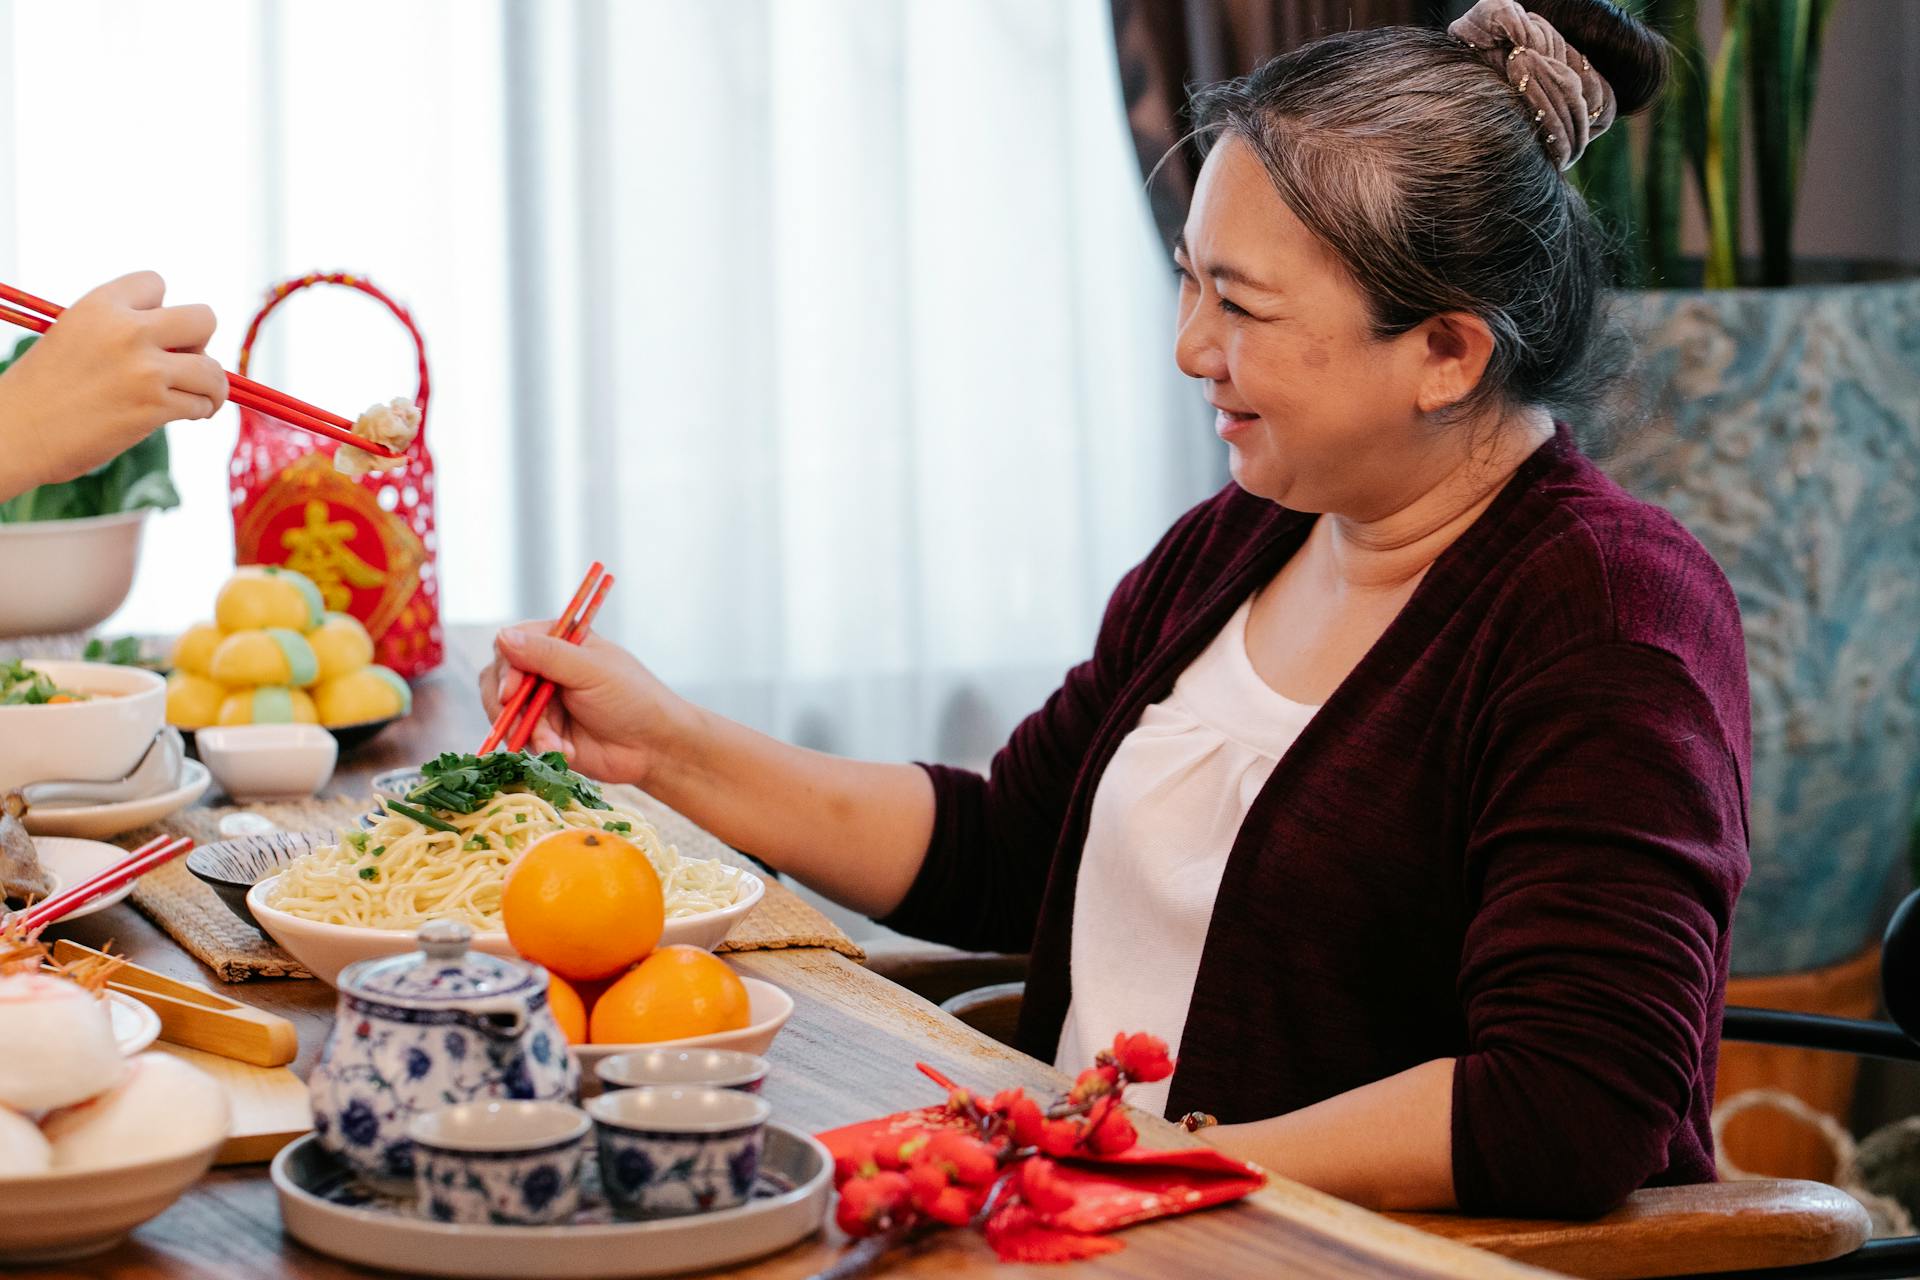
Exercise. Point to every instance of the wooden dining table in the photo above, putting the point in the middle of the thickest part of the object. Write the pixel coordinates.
(848, 1054)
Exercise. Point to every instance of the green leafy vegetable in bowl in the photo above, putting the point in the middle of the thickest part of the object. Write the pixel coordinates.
(464, 783)
(21, 685)
(136, 478)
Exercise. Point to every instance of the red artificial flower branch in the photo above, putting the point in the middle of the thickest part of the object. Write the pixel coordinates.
(995, 1168)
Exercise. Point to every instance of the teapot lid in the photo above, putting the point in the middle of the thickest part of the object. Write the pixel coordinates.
(443, 971)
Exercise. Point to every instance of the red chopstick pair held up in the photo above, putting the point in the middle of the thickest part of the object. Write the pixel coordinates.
(528, 701)
(244, 391)
(156, 852)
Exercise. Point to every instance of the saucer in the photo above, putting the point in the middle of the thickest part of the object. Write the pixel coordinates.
(135, 1026)
(71, 861)
(104, 821)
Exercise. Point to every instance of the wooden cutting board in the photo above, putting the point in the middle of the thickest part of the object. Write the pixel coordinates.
(270, 1104)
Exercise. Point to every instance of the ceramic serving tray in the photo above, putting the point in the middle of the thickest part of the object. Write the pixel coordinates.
(325, 1208)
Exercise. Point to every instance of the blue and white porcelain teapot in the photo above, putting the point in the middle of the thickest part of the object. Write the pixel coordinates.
(431, 1028)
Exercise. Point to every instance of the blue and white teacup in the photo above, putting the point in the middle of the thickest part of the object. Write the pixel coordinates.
(499, 1162)
(647, 1068)
(672, 1151)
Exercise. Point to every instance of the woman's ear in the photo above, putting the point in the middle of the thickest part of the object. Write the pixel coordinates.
(1458, 347)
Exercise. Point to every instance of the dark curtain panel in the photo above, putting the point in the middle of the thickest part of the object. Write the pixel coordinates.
(1167, 46)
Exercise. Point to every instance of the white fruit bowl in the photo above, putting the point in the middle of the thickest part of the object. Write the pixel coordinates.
(768, 1008)
(67, 575)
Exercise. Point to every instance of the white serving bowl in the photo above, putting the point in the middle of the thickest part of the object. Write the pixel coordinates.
(326, 949)
(67, 575)
(768, 1008)
(99, 740)
(51, 1217)
(268, 761)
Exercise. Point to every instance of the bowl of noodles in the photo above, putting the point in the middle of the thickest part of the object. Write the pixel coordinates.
(444, 853)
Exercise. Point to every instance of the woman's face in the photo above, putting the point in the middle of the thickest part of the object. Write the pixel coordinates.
(1317, 414)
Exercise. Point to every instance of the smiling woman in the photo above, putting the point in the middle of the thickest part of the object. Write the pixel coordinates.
(1404, 790)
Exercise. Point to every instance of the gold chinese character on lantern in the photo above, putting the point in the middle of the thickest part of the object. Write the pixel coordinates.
(319, 549)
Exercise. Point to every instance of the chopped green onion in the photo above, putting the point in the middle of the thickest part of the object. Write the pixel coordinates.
(369, 873)
(519, 817)
(421, 816)
(477, 843)
(619, 828)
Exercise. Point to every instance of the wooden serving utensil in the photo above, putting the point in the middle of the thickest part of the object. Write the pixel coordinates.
(197, 1018)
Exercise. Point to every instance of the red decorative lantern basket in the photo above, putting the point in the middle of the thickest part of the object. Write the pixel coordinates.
(368, 543)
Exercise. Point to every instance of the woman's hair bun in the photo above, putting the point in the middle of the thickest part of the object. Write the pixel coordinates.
(1627, 53)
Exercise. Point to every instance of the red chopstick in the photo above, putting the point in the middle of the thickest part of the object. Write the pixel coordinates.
(517, 700)
(244, 391)
(154, 853)
(543, 694)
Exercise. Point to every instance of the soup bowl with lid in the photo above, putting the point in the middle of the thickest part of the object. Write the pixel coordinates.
(428, 1029)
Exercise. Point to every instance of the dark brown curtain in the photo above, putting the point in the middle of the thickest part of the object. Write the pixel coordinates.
(1167, 46)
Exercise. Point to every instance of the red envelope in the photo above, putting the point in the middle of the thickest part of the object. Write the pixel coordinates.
(1110, 1192)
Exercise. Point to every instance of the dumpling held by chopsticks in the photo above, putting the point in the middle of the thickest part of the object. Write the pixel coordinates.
(393, 424)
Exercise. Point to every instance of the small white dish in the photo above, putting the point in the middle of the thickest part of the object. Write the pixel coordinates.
(71, 861)
(98, 740)
(268, 761)
(105, 821)
(135, 1026)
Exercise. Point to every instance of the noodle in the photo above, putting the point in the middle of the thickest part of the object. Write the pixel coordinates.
(400, 873)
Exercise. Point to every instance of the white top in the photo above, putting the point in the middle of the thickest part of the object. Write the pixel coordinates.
(1164, 819)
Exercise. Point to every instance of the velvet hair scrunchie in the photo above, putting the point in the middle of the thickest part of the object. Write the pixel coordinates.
(1572, 103)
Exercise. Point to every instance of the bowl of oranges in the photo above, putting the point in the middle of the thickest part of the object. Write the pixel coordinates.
(587, 906)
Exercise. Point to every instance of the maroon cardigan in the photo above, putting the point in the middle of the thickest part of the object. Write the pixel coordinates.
(1513, 836)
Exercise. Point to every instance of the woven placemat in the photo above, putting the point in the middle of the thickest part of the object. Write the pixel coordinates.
(198, 920)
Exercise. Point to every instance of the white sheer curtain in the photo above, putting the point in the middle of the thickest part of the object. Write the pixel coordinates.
(835, 327)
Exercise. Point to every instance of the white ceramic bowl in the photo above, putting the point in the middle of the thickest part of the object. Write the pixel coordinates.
(768, 1008)
(268, 761)
(67, 575)
(326, 949)
(99, 740)
(51, 1217)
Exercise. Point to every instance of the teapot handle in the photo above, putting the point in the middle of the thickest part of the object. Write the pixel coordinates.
(503, 1016)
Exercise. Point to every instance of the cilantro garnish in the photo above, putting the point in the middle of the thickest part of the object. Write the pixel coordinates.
(465, 783)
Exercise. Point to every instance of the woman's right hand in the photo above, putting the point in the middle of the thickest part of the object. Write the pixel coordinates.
(611, 717)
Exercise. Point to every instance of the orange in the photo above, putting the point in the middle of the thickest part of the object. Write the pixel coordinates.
(675, 992)
(586, 904)
(568, 1009)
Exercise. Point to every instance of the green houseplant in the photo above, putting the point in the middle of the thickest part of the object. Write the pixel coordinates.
(1760, 80)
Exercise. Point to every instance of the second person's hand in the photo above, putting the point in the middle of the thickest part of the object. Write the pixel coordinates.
(116, 366)
(611, 717)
